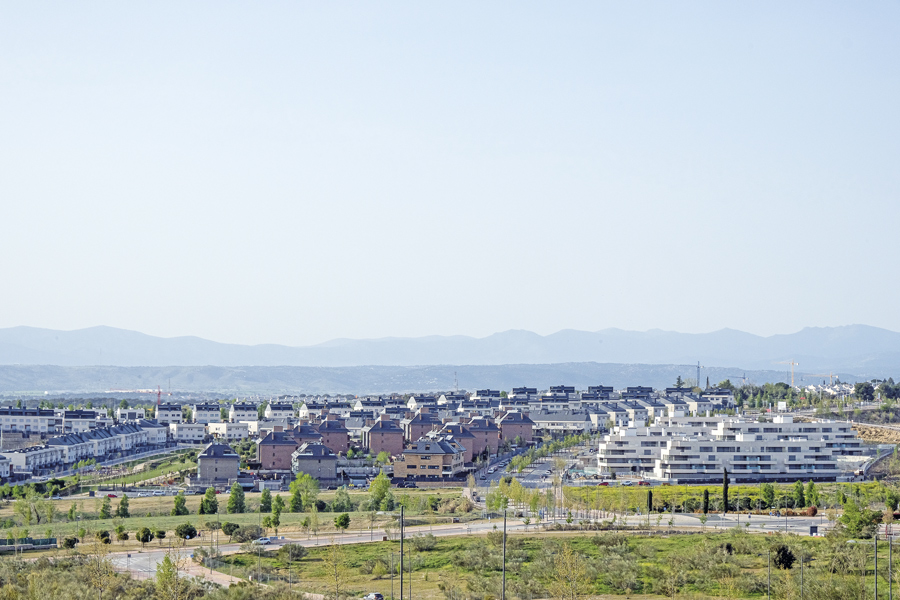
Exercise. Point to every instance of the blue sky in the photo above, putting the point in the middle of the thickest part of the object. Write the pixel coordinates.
(295, 172)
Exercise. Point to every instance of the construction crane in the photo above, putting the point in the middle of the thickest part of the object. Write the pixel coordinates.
(743, 378)
(830, 376)
(793, 364)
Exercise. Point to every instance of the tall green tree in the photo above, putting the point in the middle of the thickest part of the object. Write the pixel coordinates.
(799, 497)
(122, 509)
(265, 501)
(105, 508)
(705, 501)
(304, 493)
(724, 490)
(236, 499)
(341, 501)
(379, 488)
(768, 494)
(812, 494)
(277, 504)
(180, 506)
(209, 505)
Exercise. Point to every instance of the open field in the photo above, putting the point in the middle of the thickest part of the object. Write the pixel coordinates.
(727, 565)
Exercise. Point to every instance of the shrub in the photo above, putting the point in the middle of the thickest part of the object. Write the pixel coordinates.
(248, 533)
(423, 543)
(69, 542)
(784, 558)
(229, 528)
(291, 552)
(185, 531)
(812, 511)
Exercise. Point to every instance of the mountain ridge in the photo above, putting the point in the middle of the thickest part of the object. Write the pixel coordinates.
(859, 349)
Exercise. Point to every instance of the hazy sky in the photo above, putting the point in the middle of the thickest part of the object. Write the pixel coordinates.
(295, 172)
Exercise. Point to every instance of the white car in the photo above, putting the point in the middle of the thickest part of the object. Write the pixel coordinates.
(627, 482)
(263, 541)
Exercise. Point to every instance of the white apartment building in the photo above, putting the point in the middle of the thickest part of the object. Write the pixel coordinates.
(778, 451)
(207, 413)
(229, 431)
(243, 411)
(166, 414)
(187, 432)
(635, 449)
(279, 410)
(29, 420)
(79, 421)
(126, 415)
(34, 460)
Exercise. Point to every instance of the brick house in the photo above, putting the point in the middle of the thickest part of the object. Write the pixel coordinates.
(273, 452)
(383, 435)
(335, 436)
(461, 435)
(420, 424)
(486, 435)
(515, 424)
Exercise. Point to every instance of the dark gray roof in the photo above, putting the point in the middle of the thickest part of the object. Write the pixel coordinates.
(217, 450)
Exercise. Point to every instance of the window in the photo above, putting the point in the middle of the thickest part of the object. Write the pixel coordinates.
(794, 449)
(706, 449)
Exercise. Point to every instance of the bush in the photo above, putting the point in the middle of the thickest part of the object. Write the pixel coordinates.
(812, 511)
(103, 536)
(784, 558)
(248, 533)
(423, 543)
(69, 542)
(229, 528)
(185, 531)
(291, 552)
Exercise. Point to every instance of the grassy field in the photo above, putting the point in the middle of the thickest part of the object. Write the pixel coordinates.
(728, 565)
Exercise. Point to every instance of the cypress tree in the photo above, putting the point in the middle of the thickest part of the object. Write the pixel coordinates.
(725, 490)
(649, 501)
(705, 502)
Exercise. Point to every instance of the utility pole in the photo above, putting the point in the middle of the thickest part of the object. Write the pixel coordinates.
(503, 591)
(876, 566)
(392, 576)
(401, 552)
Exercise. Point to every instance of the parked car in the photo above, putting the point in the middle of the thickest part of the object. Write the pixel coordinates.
(407, 484)
(627, 483)
(56, 497)
(643, 483)
(263, 541)
(603, 483)
(111, 496)
(373, 596)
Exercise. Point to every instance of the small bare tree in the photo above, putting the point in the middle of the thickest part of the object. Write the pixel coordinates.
(98, 567)
(569, 578)
(335, 563)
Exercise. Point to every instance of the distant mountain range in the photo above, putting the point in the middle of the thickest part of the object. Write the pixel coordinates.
(859, 349)
(125, 382)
